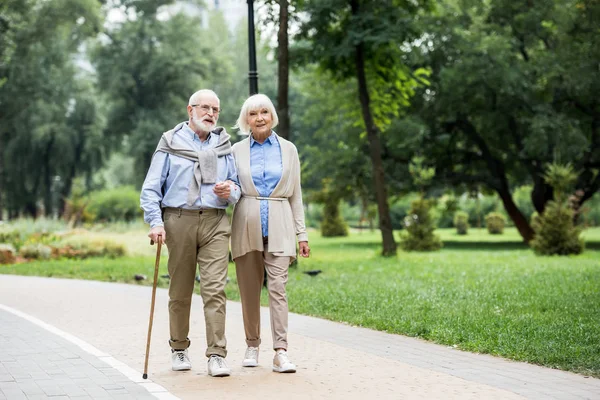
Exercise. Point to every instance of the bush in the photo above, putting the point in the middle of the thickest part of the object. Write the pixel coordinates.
(399, 210)
(445, 209)
(7, 253)
(478, 207)
(555, 232)
(333, 224)
(461, 222)
(12, 237)
(76, 248)
(495, 223)
(36, 251)
(419, 226)
(119, 204)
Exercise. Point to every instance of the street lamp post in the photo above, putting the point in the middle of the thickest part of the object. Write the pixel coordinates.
(253, 72)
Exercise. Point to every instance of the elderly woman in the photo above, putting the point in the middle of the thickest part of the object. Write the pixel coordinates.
(267, 222)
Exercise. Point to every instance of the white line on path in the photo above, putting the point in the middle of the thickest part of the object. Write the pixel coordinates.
(154, 389)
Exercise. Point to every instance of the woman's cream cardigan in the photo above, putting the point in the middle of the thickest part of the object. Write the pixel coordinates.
(286, 213)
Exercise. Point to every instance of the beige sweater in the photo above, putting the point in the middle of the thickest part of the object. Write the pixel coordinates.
(286, 218)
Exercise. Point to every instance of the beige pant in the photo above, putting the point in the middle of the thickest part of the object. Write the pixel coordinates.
(250, 274)
(202, 238)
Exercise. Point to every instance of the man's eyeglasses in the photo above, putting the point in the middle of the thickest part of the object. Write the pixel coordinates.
(206, 108)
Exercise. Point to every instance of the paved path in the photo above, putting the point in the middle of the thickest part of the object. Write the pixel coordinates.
(74, 339)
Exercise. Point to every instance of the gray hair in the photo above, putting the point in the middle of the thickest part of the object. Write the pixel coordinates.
(254, 103)
(200, 93)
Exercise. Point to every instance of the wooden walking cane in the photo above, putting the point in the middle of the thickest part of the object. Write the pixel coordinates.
(156, 264)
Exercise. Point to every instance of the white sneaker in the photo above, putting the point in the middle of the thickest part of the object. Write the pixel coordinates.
(180, 360)
(281, 362)
(217, 366)
(251, 357)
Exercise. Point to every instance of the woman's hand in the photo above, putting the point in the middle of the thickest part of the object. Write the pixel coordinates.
(303, 250)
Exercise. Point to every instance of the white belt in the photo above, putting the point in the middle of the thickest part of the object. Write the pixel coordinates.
(267, 198)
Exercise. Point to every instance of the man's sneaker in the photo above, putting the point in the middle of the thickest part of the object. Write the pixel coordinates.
(217, 366)
(281, 362)
(180, 360)
(251, 357)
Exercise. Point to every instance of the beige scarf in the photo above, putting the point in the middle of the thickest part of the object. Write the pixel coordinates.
(205, 161)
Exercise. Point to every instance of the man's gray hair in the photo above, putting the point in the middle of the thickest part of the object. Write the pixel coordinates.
(200, 93)
(254, 103)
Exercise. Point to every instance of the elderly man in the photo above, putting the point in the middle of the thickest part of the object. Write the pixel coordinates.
(184, 198)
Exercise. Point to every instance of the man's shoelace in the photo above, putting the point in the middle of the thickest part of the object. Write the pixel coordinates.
(181, 356)
(251, 352)
(219, 361)
(283, 358)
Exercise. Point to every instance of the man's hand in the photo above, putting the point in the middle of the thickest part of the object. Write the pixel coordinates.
(156, 232)
(304, 250)
(223, 190)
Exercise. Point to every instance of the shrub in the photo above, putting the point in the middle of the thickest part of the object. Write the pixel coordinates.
(446, 208)
(399, 209)
(119, 204)
(555, 232)
(11, 236)
(461, 222)
(36, 251)
(495, 223)
(333, 224)
(419, 226)
(76, 248)
(7, 254)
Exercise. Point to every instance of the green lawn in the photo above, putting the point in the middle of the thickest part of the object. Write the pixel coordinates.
(481, 293)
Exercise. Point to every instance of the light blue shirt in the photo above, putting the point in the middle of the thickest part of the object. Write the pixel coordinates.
(169, 177)
(266, 167)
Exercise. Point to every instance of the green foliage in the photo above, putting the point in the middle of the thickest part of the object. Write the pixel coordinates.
(421, 175)
(332, 223)
(118, 204)
(555, 233)
(478, 205)
(495, 223)
(445, 208)
(522, 197)
(28, 231)
(148, 70)
(498, 107)
(49, 121)
(400, 209)
(36, 251)
(461, 222)
(420, 228)
(561, 178)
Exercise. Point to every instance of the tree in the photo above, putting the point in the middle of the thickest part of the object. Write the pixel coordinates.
(40, 77)
(148, 69)
(513, 88)
(361, 40)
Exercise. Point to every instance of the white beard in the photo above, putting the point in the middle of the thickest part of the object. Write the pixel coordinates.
(202, 125)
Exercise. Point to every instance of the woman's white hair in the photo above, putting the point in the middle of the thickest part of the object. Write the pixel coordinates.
(254, 103)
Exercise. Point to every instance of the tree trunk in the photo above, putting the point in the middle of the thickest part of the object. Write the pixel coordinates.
(541, 194)
(516, 215)
(47, 180)
(385, 220)
(283, 128)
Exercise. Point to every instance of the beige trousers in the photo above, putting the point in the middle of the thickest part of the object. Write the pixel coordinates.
(250, 274)
(197, 237)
